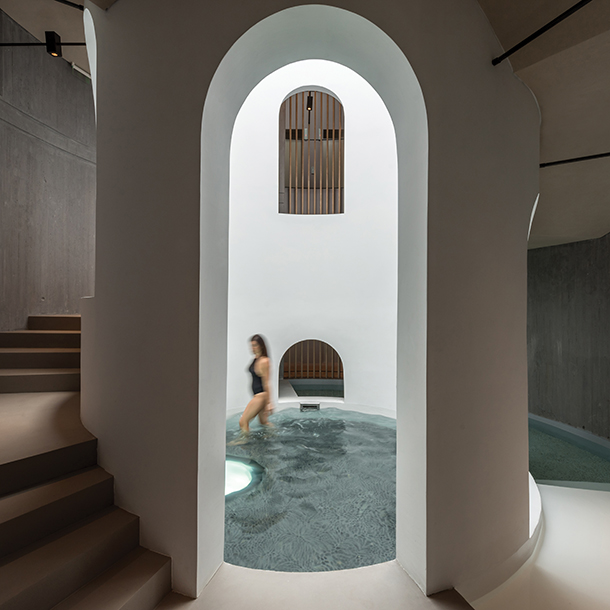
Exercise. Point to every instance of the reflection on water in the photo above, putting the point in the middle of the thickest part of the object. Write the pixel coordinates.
(327, 499)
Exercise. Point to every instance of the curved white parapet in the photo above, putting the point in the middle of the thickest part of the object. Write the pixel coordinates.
(485, 585)
(535, 506)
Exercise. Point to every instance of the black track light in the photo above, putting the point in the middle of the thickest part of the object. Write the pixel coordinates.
(53, 43)
(310, 102)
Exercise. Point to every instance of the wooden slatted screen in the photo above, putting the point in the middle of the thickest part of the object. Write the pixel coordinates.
(312, 359)
(312, 166)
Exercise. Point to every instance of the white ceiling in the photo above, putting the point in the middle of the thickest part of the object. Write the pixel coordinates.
(567, 68)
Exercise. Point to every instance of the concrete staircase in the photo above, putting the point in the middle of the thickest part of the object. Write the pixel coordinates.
(63, 544)
(44, 358)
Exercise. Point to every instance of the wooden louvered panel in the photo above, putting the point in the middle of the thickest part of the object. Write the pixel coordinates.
(312, 359)
(312, 168)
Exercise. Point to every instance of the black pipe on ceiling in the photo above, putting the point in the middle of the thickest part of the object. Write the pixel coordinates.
(542, 30)
(575, 160)
(80, 7)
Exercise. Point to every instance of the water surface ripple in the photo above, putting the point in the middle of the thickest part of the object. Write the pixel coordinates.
(327, 500)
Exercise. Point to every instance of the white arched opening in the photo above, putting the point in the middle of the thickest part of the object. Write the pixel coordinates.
(287, 37)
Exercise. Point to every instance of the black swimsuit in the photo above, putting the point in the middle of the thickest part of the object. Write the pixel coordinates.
(257, 382)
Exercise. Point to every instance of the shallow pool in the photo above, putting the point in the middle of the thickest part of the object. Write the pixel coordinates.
(327, 499)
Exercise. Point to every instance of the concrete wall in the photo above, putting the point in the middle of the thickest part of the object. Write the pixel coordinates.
(47, 182)
(568, 334)
(295, 277)
(156, 383)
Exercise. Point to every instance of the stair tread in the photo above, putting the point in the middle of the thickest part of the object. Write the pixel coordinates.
(39, 422)
(55, 315)
(9, 372)
(40, 338)
(115, 587)
(39, 350)
(41, 560)
(40, 332)
(22, 502)
(55, 321)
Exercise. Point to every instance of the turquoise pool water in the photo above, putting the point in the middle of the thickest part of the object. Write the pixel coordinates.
(555, 459)
(318, 387)
(327, 500)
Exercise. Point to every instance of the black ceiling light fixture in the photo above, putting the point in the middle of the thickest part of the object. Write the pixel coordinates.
(309, 106)
(53, 43)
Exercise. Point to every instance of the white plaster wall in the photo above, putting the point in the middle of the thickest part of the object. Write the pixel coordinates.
(156, 377)
(326, 277)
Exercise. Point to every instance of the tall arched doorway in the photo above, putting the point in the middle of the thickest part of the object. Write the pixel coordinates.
(298, 37)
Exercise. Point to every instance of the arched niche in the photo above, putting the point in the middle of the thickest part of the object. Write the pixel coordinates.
(312, 368)
(311, 153)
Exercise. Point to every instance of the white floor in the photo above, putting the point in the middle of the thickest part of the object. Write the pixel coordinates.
(571, 568)
(384, 586)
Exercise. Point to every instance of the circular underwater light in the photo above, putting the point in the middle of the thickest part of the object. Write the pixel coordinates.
(241, 474)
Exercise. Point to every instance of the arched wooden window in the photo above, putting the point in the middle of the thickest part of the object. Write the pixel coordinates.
(312, 156)
(313, 368)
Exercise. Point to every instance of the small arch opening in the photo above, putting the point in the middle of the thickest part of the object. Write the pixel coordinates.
(312, 368)
(311, 154)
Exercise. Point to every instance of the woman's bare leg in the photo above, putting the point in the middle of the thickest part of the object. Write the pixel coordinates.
(263, 417)
(253, 408)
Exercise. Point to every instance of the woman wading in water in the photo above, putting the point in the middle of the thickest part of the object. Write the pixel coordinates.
(261, 403)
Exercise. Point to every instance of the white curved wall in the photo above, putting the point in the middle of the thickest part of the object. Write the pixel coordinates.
(327, 277)
(89, 26)
(155, 362)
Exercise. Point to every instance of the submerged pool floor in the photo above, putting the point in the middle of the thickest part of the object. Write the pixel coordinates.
(327, 500)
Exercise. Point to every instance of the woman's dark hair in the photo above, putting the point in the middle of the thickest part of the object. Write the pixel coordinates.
(261, 342)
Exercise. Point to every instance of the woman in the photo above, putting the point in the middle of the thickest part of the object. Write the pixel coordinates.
(261, 403)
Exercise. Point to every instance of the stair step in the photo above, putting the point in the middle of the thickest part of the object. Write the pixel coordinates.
(54, 322)
(45, 573)
(37, 512)
(139, 581)
(42, 438)
(39, 357)
(40, 338)
(39, 380)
